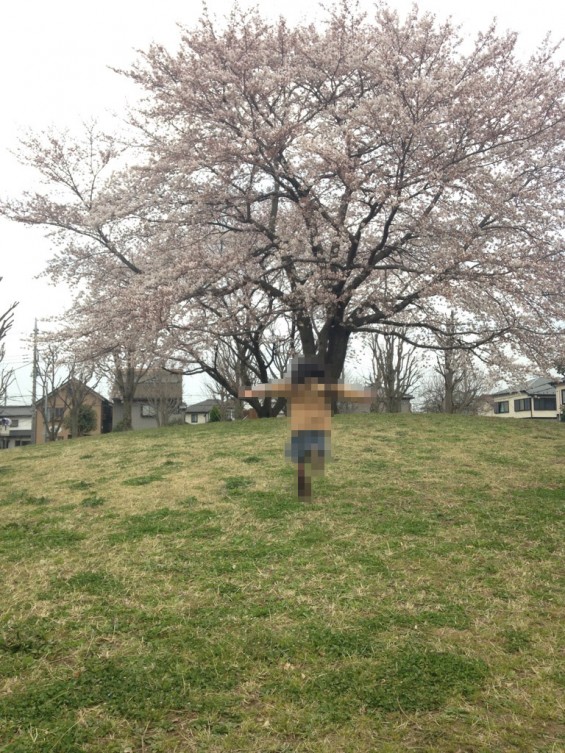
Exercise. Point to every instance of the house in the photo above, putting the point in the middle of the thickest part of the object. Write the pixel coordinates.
(17, 429)
(53, 408)
(538, 398)
(157, 400)
(199, 413)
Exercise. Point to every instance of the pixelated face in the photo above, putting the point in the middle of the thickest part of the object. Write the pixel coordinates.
(302, 369)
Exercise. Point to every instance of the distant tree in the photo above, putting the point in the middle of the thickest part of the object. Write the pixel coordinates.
(228, 407)
(395, 370)
(467, 389)
(73, 394)
(457, 381)
(64, 386)
(6, 379)
(84, 423)
(51, 375)
(6, 375)
(164, 409)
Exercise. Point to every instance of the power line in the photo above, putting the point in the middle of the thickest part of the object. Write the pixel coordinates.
(19, 393)
(11, 365)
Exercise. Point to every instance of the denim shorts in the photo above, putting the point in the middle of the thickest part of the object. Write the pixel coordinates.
(303, 443)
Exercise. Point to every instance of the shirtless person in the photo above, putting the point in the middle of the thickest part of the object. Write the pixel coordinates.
(310, 398)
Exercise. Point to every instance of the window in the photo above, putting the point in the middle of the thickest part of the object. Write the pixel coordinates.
(15, 423)
(194, 418)
(55, 414)
(502, 407)
(148, 411)
(545, 403)
(522, 404)
(562, 397)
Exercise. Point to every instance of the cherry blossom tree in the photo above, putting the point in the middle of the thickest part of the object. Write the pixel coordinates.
(135, 306)
(363, 173)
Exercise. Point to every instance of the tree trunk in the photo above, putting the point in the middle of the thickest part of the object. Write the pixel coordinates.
(334, 354)
(128, 392)
(267, 408)
(74, 421)
(394, 405)
(448, 401)
(126, 420)
(331, 347)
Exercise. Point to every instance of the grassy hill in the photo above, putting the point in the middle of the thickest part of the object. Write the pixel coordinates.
(164, 591)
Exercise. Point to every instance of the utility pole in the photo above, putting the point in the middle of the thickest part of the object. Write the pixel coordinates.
(34, 386)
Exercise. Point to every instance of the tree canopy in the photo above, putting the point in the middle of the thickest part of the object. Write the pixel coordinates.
(316, 181)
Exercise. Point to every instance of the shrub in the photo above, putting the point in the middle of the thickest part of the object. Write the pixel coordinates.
(86, 420)
(215, 414)
(122, 425)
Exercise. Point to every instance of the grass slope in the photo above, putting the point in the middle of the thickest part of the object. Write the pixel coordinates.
(164, 591)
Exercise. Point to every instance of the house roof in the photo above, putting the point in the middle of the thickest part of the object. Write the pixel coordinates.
(77, 381)
(15, 411)
(205, 406)
(539, 387)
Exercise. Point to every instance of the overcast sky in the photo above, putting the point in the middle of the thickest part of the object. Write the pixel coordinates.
(55, 58)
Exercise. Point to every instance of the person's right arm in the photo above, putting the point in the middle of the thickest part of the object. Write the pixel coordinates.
(280, 388)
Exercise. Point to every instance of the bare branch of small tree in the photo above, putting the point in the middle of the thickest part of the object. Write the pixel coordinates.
(6, 374)
(162, 394)
(51, 375)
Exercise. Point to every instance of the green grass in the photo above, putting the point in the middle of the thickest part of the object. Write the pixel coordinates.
(164, 591)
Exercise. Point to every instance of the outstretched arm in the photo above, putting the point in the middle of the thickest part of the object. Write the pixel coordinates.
(273, 389)
(347, 392)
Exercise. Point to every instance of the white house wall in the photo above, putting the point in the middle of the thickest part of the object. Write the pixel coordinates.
(532, 413)
(24, 425)
(201, 418)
